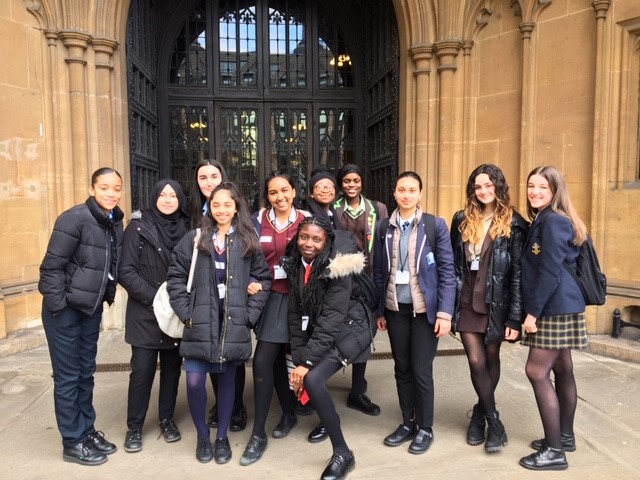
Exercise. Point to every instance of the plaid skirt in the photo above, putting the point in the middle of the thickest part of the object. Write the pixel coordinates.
(559, 331)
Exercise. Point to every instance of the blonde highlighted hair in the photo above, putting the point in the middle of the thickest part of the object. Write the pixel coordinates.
(471, 226)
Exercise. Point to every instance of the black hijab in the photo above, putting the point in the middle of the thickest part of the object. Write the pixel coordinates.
(171, 228)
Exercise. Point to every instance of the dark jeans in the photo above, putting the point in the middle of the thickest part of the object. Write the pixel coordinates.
(413, 345)
(143, 370)
(73, 344)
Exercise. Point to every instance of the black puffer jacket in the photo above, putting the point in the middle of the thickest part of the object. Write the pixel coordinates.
(504, 277)
(204, 338)
(143, 268)
(342, 320)
(76, 267)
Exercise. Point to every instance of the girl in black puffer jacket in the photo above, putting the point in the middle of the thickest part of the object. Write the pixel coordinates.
(78, 274)
(219, 313)
(329, 324)
(487, 239)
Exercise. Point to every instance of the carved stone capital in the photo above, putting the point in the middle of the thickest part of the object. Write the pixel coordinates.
(601, 8)
(421, 56)
(447, 52)
(526, 29)
(104, 48)
(76, 43)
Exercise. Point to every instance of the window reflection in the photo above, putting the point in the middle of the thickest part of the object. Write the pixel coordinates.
(289, 146)
(287, 47)
(238, 44)
(189, 141)
(336, 146)
(189, 58)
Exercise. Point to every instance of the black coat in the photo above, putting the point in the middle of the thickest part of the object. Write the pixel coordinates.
(503, 291)
(340, 317)
(142, 270)
(79, 256)
(204, 338)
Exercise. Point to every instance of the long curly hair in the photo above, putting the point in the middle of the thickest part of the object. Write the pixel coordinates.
(471, 226)
(244, 229)
(311, 295)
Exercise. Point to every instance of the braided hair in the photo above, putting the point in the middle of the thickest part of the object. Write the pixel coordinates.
(311, 295)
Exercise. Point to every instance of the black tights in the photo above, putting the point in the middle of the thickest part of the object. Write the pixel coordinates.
(269, 372)
(484, 366)
(315, 382)
(557, 406)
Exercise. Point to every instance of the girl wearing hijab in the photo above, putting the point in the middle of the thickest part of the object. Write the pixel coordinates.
(148, 242)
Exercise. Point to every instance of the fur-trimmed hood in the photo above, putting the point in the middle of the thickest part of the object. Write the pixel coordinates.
(346, 264)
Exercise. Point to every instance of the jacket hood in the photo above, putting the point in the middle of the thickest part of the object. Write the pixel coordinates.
(346, 264)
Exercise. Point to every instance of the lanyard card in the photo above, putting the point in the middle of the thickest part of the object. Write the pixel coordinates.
(402, 277)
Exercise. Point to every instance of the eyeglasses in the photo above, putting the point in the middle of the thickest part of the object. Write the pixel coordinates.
(325, 188)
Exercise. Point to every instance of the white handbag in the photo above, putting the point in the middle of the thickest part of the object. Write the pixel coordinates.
(167, 319)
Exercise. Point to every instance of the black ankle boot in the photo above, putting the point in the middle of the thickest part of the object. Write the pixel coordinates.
(475, 432)
(496, 436)
(545, 459)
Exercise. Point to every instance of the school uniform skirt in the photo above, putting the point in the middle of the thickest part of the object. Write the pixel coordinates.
(556, 332)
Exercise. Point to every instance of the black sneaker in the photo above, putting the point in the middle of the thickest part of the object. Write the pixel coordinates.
(101, 443)
(170, 430)
(133, 440)
(84, 453)
(238, 419)
(568, 443)
(363, 403)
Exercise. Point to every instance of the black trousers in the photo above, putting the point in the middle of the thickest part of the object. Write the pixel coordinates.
(143, 370)
(413, 345)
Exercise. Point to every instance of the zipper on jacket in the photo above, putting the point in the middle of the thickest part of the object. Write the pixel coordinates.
(226, 298)
(107, 265)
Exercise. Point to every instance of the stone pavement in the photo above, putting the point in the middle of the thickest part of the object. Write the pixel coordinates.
(607, 424)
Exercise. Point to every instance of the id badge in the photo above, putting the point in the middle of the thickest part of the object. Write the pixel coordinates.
(402, 277)
(305, 322)
(279, 273)
(222, 291)
(475, 264)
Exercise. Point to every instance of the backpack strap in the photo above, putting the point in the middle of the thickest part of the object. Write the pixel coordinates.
(430, 230)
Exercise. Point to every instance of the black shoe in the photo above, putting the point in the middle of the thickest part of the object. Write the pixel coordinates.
(545, 459)
(400, 435)
(287, 422)
(475, 432)
(204, 453)
(170, 430)
(568, 443)
(238, 419)
(133, 440)
(222, 450)
(496, 435)
(101, 443)
(254, 450)
(339, 466)
(318, 434)
(84, 453)
(363, 403)
(212, 421)
(303, 410)
(421, 442)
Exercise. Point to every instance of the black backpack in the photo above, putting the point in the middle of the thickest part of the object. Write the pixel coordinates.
(588, 274)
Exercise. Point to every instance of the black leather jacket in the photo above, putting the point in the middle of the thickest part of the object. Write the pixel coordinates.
(503, 291)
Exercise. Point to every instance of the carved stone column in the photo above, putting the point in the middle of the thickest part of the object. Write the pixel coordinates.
(447, 53)
(104, 48)
(420, 159)
(528, 107)
(76, 44)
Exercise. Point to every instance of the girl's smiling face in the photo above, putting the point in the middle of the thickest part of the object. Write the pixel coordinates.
(311, 241)
(107, 190)
(539, 192)
(223, 208)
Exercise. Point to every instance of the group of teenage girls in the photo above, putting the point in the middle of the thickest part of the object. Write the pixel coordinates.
(290, 275)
